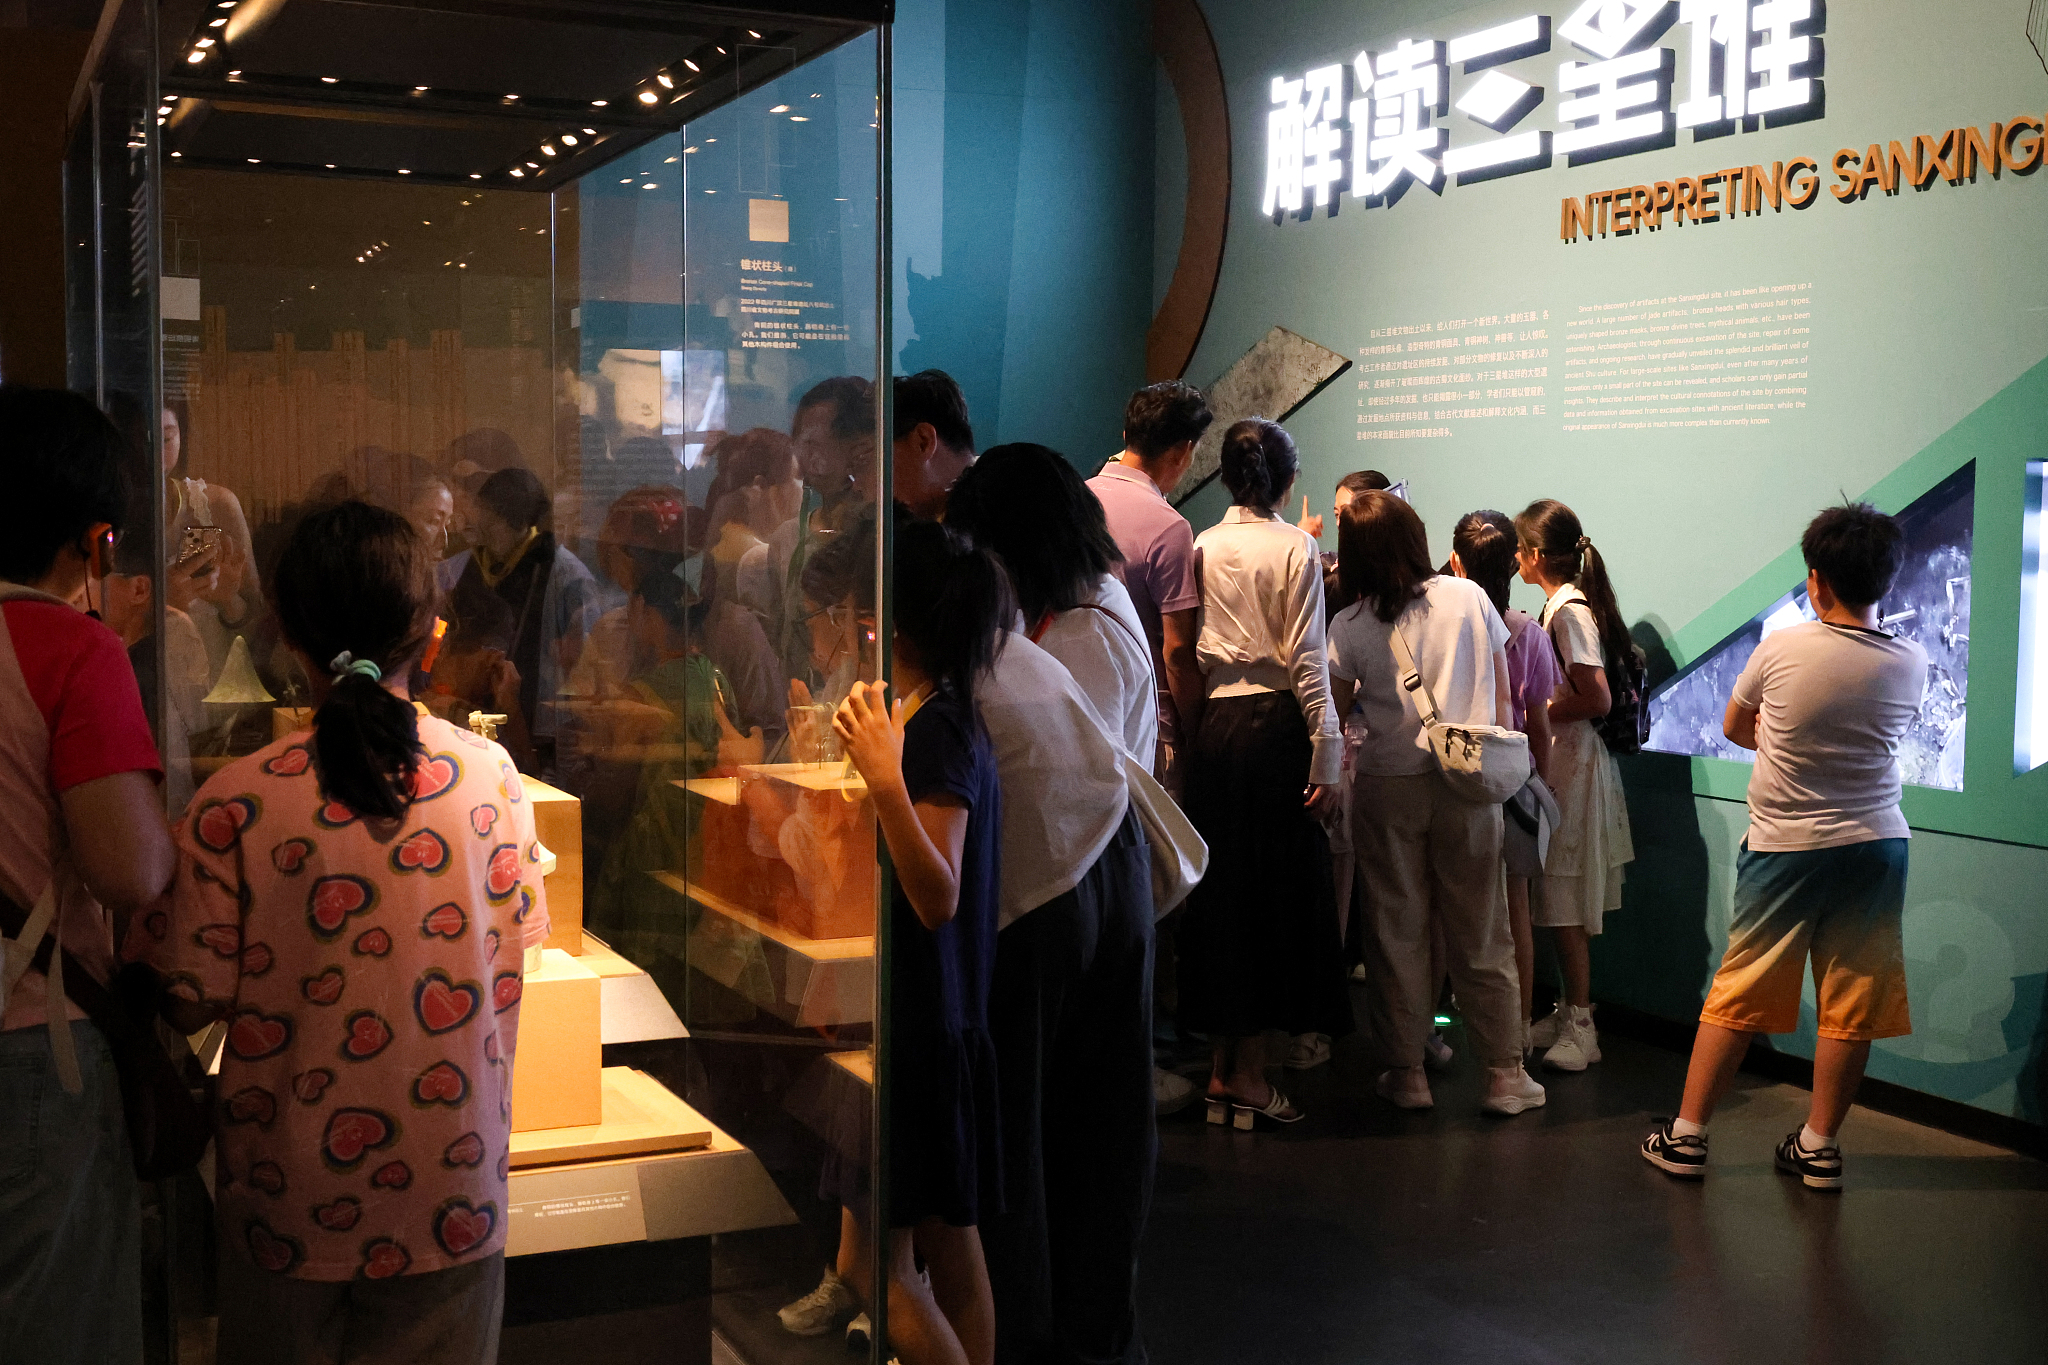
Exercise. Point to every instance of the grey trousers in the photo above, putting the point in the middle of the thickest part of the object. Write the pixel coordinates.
(446, 1317)
(1425, 854)
(70, 1221)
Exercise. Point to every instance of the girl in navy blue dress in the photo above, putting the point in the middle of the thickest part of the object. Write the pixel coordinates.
(931, 774)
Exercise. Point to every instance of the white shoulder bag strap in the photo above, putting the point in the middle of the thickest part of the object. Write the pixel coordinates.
(1411, 678)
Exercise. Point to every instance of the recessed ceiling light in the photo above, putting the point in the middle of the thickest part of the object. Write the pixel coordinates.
(197, 58)
(218, 23)
(569, 139)
(692, 65)
(599, 104)
(648, 97)
(516, 171)
(255, 161)
(721, 52)
(779, 109)
(593, 131)
(667, 81)
(627, 180)
(650, 186)
(798, 118)
(688, 150)
(752, 34)
(204, 42)
(546, 150)
(474, 175)
(177, 154)
(330, 80)
(330, 165)
(403, 171)
(671, 161)
(816, 95)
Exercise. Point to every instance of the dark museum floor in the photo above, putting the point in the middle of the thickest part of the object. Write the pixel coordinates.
(1367, 1234)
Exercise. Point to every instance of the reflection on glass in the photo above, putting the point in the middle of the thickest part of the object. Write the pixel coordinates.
(2030, 749)
(635, 421)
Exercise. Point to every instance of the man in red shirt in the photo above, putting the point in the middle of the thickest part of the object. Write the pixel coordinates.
(81, 818)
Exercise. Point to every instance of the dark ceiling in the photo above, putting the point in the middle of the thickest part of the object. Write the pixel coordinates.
(512, 94)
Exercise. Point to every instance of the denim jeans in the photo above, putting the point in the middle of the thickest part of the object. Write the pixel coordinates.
(70, 1222)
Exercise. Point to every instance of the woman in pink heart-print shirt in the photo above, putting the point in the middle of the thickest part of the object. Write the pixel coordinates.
(357, 909)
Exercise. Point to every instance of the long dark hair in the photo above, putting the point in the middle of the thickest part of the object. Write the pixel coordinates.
(1259, 463)
(1567, 555)
(1484, 543)
(1382, 553)
(953, 603)
(355, 579)
(1031, 507)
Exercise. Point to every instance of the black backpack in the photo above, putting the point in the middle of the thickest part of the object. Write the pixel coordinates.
(1625, 729)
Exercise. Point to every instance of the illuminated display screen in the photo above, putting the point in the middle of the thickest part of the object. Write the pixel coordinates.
(2030, 743)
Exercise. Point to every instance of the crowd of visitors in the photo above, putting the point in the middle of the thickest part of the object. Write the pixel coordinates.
(1396, 776)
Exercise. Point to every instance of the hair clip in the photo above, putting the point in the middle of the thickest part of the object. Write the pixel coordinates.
(346, 663)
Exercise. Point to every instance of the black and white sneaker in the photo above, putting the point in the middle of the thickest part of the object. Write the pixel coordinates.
(1821, 1170)
(1685, 1157)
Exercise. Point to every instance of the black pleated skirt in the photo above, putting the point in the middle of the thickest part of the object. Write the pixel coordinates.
(1259, 947)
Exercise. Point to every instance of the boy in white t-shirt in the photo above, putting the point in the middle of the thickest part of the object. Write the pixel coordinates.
(1823, 871)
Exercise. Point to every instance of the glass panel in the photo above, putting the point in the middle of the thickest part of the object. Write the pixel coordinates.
(637, 416)
(2030, 750)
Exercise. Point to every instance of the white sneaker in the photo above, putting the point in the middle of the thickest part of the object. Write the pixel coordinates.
(1171, 1093)
(859, 1333)
(1543, 1032)
(1510, 1090)
(1578, 1043)
(824, 1308)
(1308, 1050)
(1404, 1087)
(1436, 1053)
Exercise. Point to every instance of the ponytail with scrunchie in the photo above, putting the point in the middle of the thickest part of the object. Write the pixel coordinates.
(355, 587)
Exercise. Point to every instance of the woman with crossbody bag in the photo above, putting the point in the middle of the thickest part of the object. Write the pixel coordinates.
(1582, 873)
(1417, 647)
(83, 821)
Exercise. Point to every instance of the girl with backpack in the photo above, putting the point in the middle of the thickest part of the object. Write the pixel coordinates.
(1595, 711)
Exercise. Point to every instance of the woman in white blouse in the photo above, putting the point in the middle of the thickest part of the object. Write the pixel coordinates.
(1259, 950)
(1427, 856)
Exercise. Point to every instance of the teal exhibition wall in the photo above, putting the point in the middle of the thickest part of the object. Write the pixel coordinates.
(1697, 390)
(1023, 211)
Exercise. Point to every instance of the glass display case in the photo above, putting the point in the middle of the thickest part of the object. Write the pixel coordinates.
(591, 295)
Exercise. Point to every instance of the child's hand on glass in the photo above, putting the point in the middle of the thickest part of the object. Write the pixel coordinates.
(872, 732)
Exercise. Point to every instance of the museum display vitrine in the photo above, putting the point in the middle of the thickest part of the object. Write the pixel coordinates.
(590, 295)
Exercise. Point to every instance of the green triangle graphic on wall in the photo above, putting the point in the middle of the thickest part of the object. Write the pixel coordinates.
(1987, 451)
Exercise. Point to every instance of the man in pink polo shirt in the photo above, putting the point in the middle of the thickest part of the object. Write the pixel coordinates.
(1162, 422)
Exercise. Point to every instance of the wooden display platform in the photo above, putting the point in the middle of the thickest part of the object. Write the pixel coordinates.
(806, 982)
(640, 1117)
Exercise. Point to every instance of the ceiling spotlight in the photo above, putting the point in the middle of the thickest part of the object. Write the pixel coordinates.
(511, 99)
(517, 172)
(546, 150)
(419, 90)
(196, 58)
(626, 180)
(569, 139)
(163, 109)
(204, 42)
(650, 186)
(225, 4)
(330, 80)
(533, 165)
(752, 34)
(648, 97)
(721, 52)
(462, 265)
(779, 109)
(177, 154)
(403, 171)
(474, 175)
(688, 150)
(330, 165)
(255, 161)
(599, 104)
(816, 95)
(670, 162)
(592, 131)
(692, 65)
(359, 260)
(798, 118)
(667, 81)
(218, 23)
(234, 75)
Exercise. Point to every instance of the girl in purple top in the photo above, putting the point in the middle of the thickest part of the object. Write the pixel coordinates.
(1483, 550)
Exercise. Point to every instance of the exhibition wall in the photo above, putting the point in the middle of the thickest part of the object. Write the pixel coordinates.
(1697, 269)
